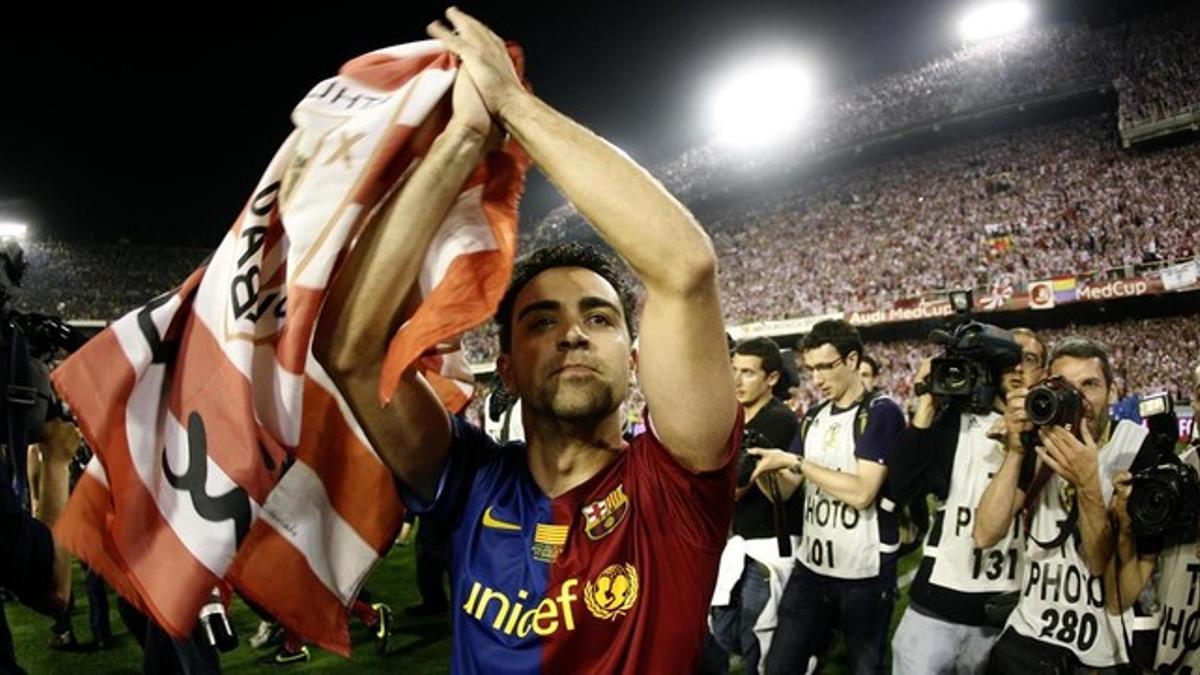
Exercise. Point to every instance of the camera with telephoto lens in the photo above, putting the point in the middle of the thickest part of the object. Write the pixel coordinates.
(1055, 402)
(1165, 501)
(969, 370)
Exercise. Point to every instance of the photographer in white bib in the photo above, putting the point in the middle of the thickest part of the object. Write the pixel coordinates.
(1060, 624)
(950, 451)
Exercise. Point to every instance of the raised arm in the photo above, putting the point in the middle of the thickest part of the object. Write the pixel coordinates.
(1002, 498)
(1128, 572)
(683, 363)
(369, 299)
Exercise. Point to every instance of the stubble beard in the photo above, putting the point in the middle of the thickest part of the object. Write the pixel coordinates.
(578, 402)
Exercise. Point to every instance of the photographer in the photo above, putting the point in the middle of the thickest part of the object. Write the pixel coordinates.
(1060, 623)
(753, 570)
(845, 577)
(32, 565)
(949, 451)
(1157, 516)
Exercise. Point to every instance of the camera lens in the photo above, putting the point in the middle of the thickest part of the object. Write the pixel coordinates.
(1042, 406)
(1150, 506)
(956, 376)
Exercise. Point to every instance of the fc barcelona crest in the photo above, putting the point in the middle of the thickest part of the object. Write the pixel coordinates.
(603, 516)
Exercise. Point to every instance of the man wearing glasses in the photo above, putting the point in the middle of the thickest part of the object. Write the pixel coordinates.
(846, 576)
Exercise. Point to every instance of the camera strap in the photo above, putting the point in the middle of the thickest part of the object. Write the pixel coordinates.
(782, 535)
(1066, 528)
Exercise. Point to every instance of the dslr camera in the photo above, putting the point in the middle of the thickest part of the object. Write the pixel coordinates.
(1165, 501)
(1056, 402)
(969, 371)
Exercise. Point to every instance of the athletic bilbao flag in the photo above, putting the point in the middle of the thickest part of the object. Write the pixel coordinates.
(224, 455)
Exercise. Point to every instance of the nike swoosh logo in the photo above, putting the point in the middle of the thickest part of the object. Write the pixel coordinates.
(489, 521)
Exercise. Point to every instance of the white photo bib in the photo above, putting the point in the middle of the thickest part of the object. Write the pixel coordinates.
(1061, 602)
(958, 564)
(839, 540)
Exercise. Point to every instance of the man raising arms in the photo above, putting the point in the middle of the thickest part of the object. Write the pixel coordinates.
(572, 552)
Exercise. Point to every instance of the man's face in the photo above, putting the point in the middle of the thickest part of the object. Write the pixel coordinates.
(570, 355)
(1033, 355)
(1088, 377)
(1196, 393)
(751, 383)
(868, 375)
(832, 373)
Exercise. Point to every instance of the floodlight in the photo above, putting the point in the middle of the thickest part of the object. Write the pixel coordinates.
(13, 230)
(992, 19)
(760, 100)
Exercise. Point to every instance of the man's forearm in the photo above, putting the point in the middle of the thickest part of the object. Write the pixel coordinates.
(54, 490)
(629, 208)
(843, 485)
(1095, 530)
(998, 505)
(787, 481)
(1126, 574)
(367, 299)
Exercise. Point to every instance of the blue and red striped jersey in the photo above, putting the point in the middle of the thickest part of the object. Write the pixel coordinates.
(614, 576)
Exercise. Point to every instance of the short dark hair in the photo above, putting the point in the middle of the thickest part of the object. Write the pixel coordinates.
(870, 361)
(1027, 332)
(844, 338)
(1084, 348)
(765, 349)
(570, 254)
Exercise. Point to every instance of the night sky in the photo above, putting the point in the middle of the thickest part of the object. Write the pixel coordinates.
(154, 127)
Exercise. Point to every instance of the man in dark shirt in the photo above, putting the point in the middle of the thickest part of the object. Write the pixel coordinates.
(743, 614)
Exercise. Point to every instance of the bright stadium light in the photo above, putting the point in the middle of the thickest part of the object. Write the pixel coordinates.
(991, 19)
(12, 230)
(760, 100)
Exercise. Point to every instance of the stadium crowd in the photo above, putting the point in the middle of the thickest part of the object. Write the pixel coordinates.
(1152, 61)
(1054, 199)
(100, 281)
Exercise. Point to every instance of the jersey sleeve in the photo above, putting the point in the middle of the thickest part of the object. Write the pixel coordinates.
(695, 505)
(470, 448)
(885, 422)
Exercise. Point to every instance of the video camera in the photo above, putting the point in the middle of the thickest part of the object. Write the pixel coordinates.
(28, 342)
(968, 373)
(1165, 500)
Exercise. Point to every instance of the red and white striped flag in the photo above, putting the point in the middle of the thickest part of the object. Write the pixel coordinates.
(224, 454)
